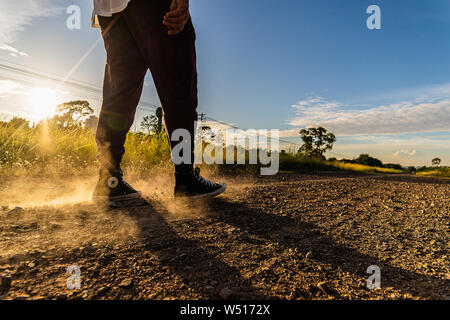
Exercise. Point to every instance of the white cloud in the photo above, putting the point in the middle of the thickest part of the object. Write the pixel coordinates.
(217, 126)
(8, 88)
(290, 133)
(16, 15)
(8, 115)
(13, 51)
(399, 118)
(419, 94)
(405, 152)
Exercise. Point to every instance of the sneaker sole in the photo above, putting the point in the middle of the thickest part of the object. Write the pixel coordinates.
(206, 195)
(131, 196)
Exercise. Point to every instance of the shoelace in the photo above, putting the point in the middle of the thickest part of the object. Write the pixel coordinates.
(202, 180)
(125, 184)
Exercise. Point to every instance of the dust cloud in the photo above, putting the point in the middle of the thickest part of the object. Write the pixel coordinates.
(57, 213)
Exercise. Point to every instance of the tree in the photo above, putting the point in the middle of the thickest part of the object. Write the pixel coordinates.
(367, 160)
(18, 123)
(208, 134)
(149, 124)
(316, 141)
(348, 160)
(152, 123)
(72, 114)
(159, 114)
(395, 166)
(411, 169)
(436, 162)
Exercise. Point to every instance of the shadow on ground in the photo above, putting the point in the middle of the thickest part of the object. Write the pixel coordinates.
(191, 261)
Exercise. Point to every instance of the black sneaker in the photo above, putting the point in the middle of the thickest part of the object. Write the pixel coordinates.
(192, 185)
(112, 187)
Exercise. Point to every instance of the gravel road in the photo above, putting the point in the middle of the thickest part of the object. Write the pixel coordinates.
(291, 236)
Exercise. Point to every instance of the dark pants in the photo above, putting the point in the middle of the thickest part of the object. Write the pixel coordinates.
(138, 41)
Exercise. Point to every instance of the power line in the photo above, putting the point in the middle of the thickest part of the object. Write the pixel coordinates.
(238, 128)
(282, 140)
(94, 91)
(79, 62)
(21, 68)
(77, 84)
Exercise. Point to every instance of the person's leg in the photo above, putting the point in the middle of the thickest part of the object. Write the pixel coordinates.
(123, 82)
(122, 87)
(172, 62)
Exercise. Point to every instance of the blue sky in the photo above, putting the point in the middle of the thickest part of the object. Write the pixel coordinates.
(274, 64)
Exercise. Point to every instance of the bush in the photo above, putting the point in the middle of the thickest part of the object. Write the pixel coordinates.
(394, 166)
(367, 160)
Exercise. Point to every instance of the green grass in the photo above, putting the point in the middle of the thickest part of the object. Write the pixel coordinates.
(50, 150)
(297, 162)
(54, 151)
(24, 149)
(363, 168)
(434, 172)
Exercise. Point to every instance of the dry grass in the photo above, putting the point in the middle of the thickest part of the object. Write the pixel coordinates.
(52, 151)
(443, 172)
(362, 168)
(48, 150)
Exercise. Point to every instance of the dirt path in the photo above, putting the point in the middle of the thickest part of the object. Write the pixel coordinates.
(291, 237)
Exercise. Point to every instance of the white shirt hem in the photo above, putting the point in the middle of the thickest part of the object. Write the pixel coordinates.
(106, 13)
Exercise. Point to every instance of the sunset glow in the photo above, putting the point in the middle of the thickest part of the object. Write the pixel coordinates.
(42, 102)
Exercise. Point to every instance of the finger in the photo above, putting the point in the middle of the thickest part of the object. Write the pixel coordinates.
(174, 26)
(179, 19)
(183, 13)
(173, 5)
(177, 12)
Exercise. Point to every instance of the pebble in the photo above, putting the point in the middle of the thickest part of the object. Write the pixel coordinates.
(225, 293)
(323, 286)
(5, 283)
(127, 283)
(16, 210)
(17, 258)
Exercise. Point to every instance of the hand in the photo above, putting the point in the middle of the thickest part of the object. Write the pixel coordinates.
(177, 17)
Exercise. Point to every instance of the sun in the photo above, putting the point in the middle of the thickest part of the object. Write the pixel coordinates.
(42, 102)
